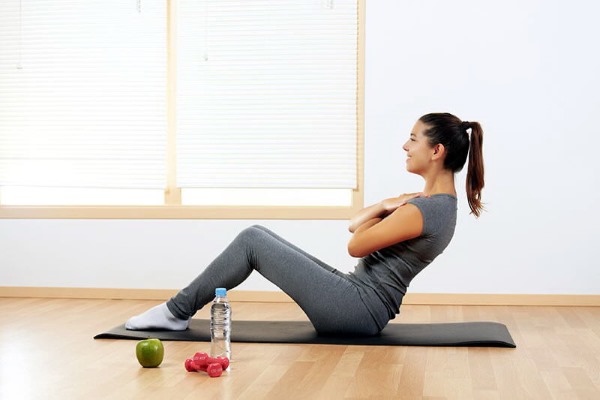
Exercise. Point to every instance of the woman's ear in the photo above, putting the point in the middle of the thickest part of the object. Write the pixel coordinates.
(438, 151)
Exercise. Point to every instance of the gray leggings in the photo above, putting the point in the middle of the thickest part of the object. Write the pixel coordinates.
(330, 300)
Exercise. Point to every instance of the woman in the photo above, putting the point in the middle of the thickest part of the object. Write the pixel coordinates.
(394, 239)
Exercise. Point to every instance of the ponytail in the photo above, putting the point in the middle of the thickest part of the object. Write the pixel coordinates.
(450, 131)
(475, 181)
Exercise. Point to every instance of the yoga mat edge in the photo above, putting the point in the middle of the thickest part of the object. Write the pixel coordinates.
(460, 334)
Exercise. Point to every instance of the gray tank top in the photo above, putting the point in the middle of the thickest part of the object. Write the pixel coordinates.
(389, 271)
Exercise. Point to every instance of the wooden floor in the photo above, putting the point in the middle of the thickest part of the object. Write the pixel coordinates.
(47, 352)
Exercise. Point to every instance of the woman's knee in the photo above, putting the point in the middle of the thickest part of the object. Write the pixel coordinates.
(252, 230)
(251, 234)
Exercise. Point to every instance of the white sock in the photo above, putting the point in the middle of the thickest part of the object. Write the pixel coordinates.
(158, 317)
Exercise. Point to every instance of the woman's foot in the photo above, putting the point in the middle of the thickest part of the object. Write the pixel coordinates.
(158, 317)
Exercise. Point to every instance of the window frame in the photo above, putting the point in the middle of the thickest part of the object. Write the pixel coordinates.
(172, 207)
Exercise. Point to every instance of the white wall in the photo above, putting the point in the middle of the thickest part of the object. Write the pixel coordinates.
(527, 70)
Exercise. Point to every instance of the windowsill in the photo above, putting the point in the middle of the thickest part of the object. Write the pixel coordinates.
(176, 212)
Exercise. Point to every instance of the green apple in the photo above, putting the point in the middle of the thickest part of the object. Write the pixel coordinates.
(150, 352)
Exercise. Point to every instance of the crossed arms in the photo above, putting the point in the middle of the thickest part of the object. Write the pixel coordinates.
(383, 224)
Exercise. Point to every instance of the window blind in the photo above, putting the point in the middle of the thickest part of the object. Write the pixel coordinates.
(267, 93)
(82, 93)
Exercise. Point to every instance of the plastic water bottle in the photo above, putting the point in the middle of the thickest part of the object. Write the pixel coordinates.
(220, 325)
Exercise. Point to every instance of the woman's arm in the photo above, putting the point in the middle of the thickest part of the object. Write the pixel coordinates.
(380, 210)
(403, 224)
(366, 214)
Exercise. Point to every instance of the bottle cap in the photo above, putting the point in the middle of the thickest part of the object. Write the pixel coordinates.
(221, 291)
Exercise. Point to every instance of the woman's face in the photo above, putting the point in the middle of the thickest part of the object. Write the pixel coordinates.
(418, 150)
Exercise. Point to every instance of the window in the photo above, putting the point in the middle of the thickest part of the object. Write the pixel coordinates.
(180, 109)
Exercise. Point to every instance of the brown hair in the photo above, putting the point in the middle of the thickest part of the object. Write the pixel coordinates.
(452, 133)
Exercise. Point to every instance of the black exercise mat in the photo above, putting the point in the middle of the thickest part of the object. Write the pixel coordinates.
(480, 334)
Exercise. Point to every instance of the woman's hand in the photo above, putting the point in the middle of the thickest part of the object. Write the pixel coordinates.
(390, 205)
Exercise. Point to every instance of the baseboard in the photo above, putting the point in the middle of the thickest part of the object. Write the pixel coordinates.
(280, 297)
(486, 299)
(86, 293)
(131, 294)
